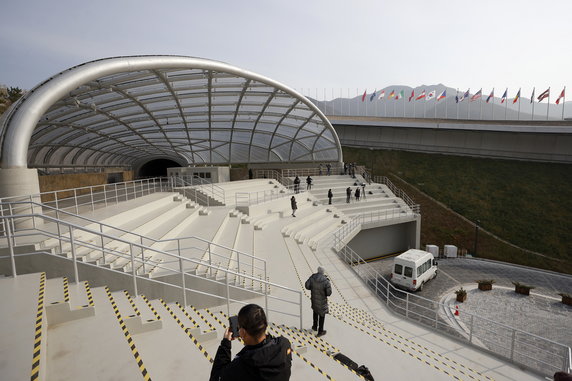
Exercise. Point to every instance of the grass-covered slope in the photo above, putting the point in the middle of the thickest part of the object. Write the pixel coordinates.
(525, 203)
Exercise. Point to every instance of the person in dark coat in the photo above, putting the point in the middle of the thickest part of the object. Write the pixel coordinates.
(294, 206)
(328, 169)
(562, 376)
(308, 183)
(357, 194)
(330, 195)
(320, 288)
(348, 194)
(297, 185)
(263, 357)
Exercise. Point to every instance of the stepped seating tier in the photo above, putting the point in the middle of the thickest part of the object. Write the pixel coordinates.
(97, 346)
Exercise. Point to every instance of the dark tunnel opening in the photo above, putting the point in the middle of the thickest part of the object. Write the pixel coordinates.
(156, 168)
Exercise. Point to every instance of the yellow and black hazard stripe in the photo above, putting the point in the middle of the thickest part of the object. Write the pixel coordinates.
(130, 341)
(188, 332)
(157, 316)
(313, 365)
(303, 340)
(90, 301)
(203, 318)
(132, 303)
(216, 318)
(66, 290)
(211, 327)
(195, 324)
(38, 329)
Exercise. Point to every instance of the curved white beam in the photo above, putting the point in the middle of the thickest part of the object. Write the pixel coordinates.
(19, 124)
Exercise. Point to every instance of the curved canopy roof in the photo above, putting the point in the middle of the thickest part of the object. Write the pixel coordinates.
(127, 110)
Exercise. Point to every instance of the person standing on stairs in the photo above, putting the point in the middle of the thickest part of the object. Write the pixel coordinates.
(348, 194)
(294, 206)
(263, 357)
(357, 194)
(308, 183)
(330, 195)
(297, 185)
(320, 288)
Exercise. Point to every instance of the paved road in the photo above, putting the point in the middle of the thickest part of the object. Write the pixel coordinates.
(541, 314)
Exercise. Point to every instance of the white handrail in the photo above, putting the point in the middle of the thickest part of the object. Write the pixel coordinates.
(544, 358)
(9, 220)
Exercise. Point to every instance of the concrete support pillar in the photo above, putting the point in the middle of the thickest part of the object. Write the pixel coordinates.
(22, 182)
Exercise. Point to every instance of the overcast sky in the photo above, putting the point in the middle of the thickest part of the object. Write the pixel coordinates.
(305, 44)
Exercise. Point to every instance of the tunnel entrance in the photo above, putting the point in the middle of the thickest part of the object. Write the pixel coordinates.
(156, 168)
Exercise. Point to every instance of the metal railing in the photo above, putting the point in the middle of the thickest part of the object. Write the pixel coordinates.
(526, 349)
(75, 238)
(398, 192)
(190, 245)
(198, 189)
(336, 169)
(88, 198)
(254, 198)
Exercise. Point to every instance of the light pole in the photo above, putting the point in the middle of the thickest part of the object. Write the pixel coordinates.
(477, 223)
(371, 154)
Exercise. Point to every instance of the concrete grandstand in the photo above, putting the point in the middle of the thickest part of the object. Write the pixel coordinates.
(136, 279)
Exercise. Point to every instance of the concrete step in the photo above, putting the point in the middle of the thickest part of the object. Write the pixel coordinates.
(66, 302)
(20, 301)
(95, 348)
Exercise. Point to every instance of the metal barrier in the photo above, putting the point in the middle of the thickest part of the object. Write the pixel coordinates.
(88, 198)
(397, 192)
(523, 348)
(201, 190)
(189, 245)
(74, 237)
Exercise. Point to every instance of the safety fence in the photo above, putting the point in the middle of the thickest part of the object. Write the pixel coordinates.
(523, 348)
(72, 241)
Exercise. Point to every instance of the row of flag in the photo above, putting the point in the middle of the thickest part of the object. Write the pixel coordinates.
(433, 94)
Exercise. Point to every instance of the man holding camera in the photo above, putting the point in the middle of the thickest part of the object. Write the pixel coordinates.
(263, 357)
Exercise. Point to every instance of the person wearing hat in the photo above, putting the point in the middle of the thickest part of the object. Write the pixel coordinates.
(320, 289)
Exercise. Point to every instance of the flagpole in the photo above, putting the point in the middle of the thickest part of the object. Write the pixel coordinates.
(457, 101)
(424, 107)
(532, 100)
(394, 108)
(414, 101)
(435, 107)
(548, 105)
(481, 112)
(518, 116)
(563, 101)
(505, 103)
(445, 106)
(493, 106)
(404, 105)
(469, 111)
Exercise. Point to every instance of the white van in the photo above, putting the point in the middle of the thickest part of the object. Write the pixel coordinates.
(412, 269)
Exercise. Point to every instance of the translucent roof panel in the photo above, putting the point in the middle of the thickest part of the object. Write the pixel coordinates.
(190, 109)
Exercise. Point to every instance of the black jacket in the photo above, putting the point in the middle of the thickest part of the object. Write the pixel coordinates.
(320, 288)
(270, 360)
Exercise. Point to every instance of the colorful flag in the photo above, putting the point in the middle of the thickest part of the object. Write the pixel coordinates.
(545, 94)
(561, 96)
(491, 96)
(503, 99)
(392, 94)
(430, 96)
(532, 96)
(412, 95)
(363, 96)
(442, 95)
(464, 96)
(400, 95)
(477, 95)
(421, 96)
(517, 97)
(372, 95)
(382, 94)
